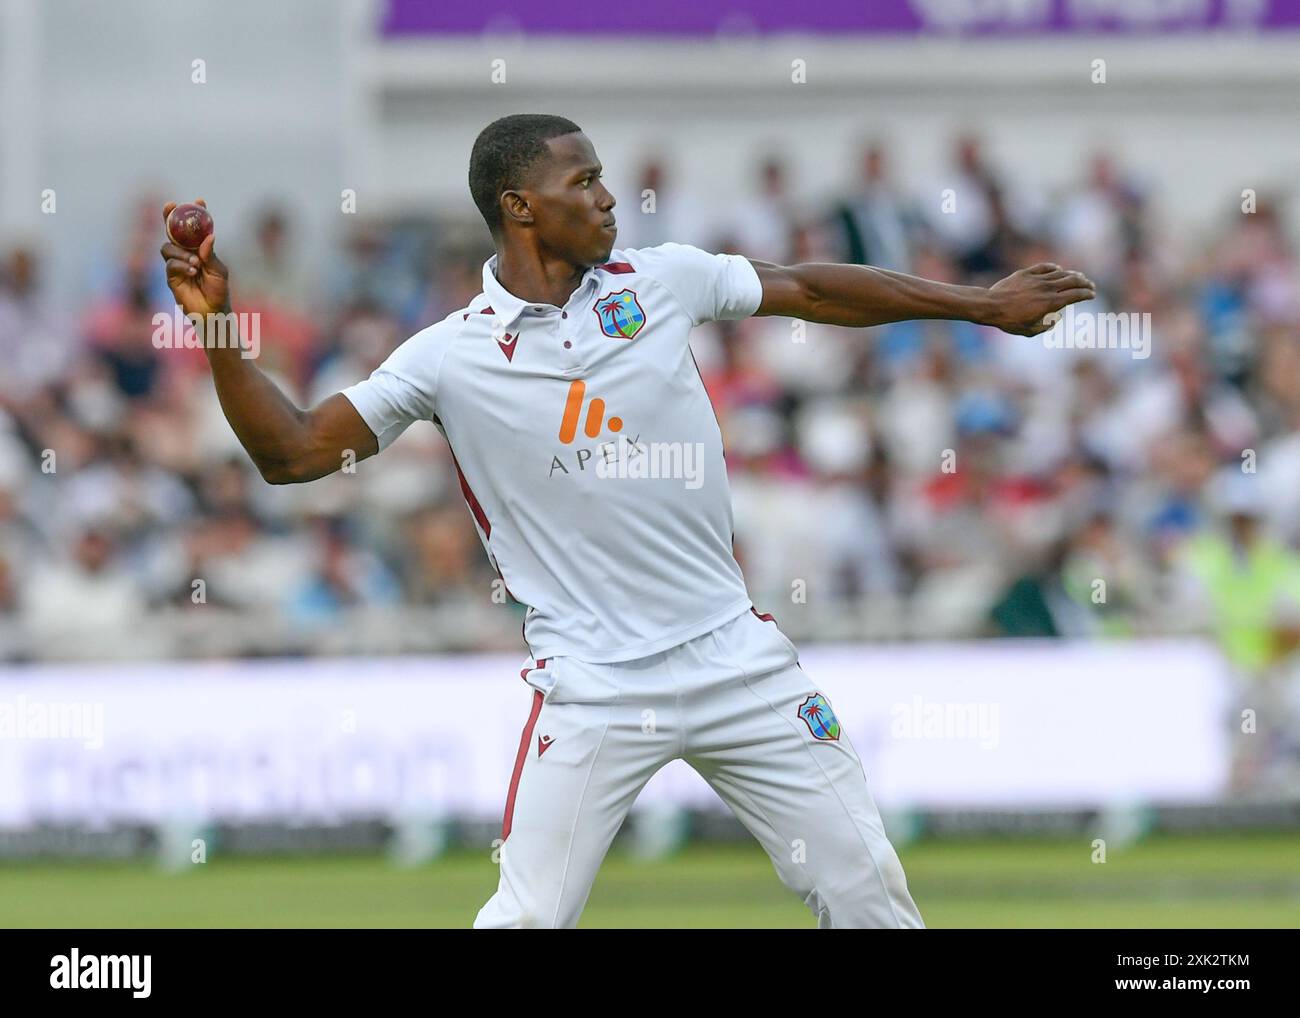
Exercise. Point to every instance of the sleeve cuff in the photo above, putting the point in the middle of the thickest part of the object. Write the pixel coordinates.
(369, 412)
(744, 289)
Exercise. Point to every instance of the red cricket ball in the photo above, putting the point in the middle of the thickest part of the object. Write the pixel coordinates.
(189, 225)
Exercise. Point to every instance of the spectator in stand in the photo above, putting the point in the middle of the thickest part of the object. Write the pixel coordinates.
(876, 223)
(766, 228)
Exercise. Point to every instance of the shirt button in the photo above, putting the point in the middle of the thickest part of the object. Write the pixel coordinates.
(567, 344)
(564, 314)
(539, 310)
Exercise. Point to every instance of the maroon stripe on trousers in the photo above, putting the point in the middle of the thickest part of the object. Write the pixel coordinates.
(541, 663)
(524, 741)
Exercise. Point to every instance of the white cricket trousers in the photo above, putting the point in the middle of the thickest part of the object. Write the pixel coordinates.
(734, 704)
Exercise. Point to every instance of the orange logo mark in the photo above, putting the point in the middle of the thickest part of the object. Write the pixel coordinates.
(595, 415)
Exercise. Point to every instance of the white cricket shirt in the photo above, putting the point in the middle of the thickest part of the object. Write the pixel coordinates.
(588, 452)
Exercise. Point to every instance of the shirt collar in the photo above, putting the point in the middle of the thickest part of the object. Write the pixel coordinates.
(506, 307)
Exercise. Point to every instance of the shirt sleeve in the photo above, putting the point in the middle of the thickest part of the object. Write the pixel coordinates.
(400, 391)
(709, 286)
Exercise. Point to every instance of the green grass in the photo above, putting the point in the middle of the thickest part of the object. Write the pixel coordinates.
(1200, 881)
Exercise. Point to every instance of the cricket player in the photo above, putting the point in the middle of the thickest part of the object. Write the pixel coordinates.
(592, 464)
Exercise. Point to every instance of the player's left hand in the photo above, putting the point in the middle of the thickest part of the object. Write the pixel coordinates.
(1022, 301)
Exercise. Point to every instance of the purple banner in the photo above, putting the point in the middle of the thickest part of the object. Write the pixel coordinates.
(839, 17)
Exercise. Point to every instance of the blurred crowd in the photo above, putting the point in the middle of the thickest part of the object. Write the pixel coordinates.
(920, 480)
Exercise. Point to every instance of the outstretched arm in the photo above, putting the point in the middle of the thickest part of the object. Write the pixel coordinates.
(288, 445)
(859, 296)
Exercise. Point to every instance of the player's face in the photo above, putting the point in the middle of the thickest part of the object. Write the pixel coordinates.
(572, 210)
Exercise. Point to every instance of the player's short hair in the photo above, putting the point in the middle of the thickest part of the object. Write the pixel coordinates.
(503, 154)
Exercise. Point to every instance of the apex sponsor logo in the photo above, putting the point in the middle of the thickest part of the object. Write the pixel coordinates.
(508, 345)
(74, 971)
(595, 415)
(623, 457)
(544, 742)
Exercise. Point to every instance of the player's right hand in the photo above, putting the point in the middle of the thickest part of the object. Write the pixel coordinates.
(199, 280)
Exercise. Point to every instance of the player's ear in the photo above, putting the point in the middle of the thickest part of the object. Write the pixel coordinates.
(515, 205)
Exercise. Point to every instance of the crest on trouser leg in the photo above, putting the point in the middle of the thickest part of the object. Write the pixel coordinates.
(821, 720)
